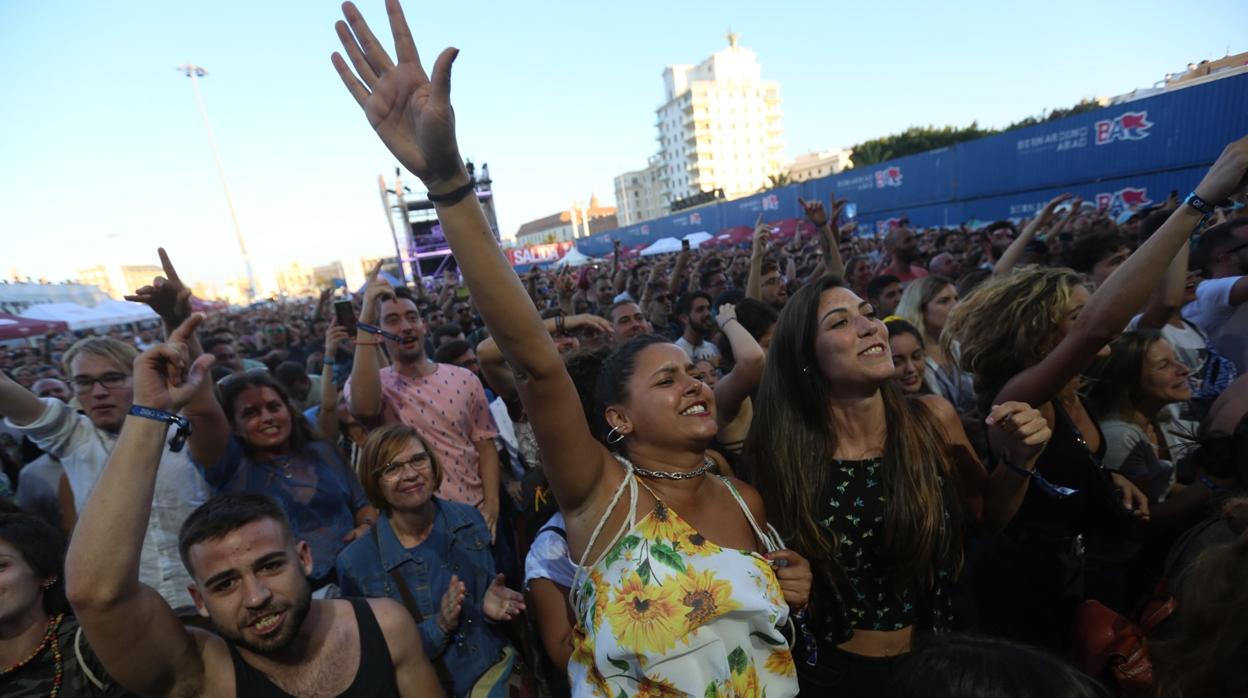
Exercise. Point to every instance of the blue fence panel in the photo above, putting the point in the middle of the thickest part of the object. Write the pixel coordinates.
(1175, 130)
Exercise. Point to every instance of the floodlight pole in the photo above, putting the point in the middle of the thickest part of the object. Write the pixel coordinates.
(195, 72)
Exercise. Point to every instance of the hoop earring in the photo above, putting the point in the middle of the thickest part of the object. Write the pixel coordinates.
(615, 436)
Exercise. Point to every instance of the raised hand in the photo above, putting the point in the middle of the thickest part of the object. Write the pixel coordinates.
(1046, 213)
(727, 313)
(165, 378)
(1023, 432)
(166, 295)
(814, 212)
(335, 336)
(409, 111)
(762, 236)
(500, 603)
(376, 291)
(452, 604)
(1228, 176)
(587, 320)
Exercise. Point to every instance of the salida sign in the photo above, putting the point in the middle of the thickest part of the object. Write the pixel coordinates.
(537, 254)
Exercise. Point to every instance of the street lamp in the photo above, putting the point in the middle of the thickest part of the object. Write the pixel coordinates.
(195, 72)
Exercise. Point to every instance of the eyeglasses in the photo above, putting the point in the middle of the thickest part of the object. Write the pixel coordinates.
(110, 381)
(419, 463)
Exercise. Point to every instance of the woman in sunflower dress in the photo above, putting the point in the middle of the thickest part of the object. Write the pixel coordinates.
(723, 630)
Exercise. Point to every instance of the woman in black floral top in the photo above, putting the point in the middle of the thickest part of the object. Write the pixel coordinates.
(873, 487)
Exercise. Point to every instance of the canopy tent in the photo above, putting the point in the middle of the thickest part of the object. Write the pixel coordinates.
(662, 246)
(574, 258)
(14, 327)
(78, 317)
(696, 239)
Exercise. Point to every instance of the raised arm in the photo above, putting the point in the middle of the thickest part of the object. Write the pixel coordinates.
(171, 300)
(1167, 298)
(1122, 294)
(678, 273)
(758, 250)
(1015, 251)
(132, 629)
(18, 404)
(412, 115)
(365, 397)
(824, 232)
(327, 417)
(747, 370)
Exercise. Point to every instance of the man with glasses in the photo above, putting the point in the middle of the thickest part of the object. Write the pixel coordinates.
(1219, 308)
(99, 370)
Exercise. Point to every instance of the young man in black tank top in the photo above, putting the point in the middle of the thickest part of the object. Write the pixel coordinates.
(250, 580)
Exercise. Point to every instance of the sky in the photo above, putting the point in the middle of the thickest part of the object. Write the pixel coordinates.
(103, 156)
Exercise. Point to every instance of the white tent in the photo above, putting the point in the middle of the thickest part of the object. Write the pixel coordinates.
(79, 317)
(696, 239)
(662, 246)
(574, 258)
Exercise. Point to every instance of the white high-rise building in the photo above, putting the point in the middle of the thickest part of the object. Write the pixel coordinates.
(720, 127)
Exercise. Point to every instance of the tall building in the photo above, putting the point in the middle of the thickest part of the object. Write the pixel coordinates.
(819, 164)
(639, 194)
(565, 226)
(720, 126)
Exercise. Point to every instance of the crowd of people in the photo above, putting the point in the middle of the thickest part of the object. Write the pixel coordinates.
(997, 460)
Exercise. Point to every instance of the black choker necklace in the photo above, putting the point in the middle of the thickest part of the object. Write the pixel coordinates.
(707, 464)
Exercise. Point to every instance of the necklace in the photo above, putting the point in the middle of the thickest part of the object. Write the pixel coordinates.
(707, 464)
(49, 639)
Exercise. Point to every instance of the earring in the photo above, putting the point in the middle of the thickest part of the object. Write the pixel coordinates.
(615, 436)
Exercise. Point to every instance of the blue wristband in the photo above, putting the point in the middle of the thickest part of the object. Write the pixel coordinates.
(182, 423)
(373, 329)
(1214, 487)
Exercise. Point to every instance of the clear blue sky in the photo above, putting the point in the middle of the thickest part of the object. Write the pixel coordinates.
(103, 156)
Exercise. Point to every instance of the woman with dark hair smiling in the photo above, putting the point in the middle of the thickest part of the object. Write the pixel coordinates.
(708, 580)
(254, 440)
(873, 486)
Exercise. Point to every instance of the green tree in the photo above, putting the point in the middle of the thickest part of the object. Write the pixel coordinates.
(776, 181)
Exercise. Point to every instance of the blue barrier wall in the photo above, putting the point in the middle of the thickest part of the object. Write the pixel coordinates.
(1122, 156)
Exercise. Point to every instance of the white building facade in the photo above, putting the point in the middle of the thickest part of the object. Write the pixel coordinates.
(720, 126)
(639, 194)
(819, 164)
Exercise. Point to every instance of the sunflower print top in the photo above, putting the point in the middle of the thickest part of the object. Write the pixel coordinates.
(665, 612)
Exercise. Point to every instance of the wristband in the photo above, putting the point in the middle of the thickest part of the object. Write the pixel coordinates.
(1205, 208)
(182, 423)
(559, 325)
(1055, 491)
(373, 329)
(455, 195)
(1214, 487)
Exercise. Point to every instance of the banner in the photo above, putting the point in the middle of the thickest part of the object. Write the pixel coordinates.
(537, 254)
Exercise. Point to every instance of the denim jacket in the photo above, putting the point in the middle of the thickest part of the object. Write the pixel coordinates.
(476, 644)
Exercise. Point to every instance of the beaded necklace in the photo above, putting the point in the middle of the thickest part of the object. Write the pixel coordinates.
(49, 640)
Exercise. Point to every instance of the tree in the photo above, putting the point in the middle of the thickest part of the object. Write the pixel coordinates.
(776, 181)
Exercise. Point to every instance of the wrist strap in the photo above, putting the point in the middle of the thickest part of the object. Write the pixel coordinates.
(1204, 207)
(1055, 491)
(373, 329)
(182, 423)
(455, 195)
(1214, 487)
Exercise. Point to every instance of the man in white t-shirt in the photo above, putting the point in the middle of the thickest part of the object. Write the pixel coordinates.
(693, 309)
(1219, 307)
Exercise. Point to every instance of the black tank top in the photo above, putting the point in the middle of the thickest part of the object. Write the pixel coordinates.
(374, 677)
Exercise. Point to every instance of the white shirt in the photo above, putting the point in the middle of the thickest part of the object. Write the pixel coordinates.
(83, 449)
(1226, 325)
(706, 351)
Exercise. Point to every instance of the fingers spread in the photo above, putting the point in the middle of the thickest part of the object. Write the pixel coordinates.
(442, 75)
(374, 53)
(365, 71)
(404, 46)
(354, 86)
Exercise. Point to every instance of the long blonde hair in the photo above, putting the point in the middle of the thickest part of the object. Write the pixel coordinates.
(915, 298)
(1007, 325)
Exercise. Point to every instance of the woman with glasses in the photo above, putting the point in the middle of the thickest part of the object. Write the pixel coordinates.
(433, 556)
(254, 440)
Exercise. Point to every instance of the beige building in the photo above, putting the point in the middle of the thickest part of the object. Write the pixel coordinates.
(819, 164)
(639, 195)
(117, 281)
(576, 222)
(720, 126)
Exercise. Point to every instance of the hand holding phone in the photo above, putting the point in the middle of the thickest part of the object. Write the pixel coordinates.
(345, 314)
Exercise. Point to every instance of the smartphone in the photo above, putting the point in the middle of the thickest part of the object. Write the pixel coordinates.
(345, 315)
(684, 245)
(850, 212)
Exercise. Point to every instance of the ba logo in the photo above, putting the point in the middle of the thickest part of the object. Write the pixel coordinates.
(887, 224)
(888, 177)
(1123, 200)
(695, 218)
(771, 202)
(1131, 126)
(645, 230)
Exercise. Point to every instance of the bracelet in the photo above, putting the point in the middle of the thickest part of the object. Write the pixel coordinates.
(455, 195)
(375, 330)
(183, 424)
(559, 325)
(1214, 487)
(1055, 491)
(1205, 208)
(725, 325)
